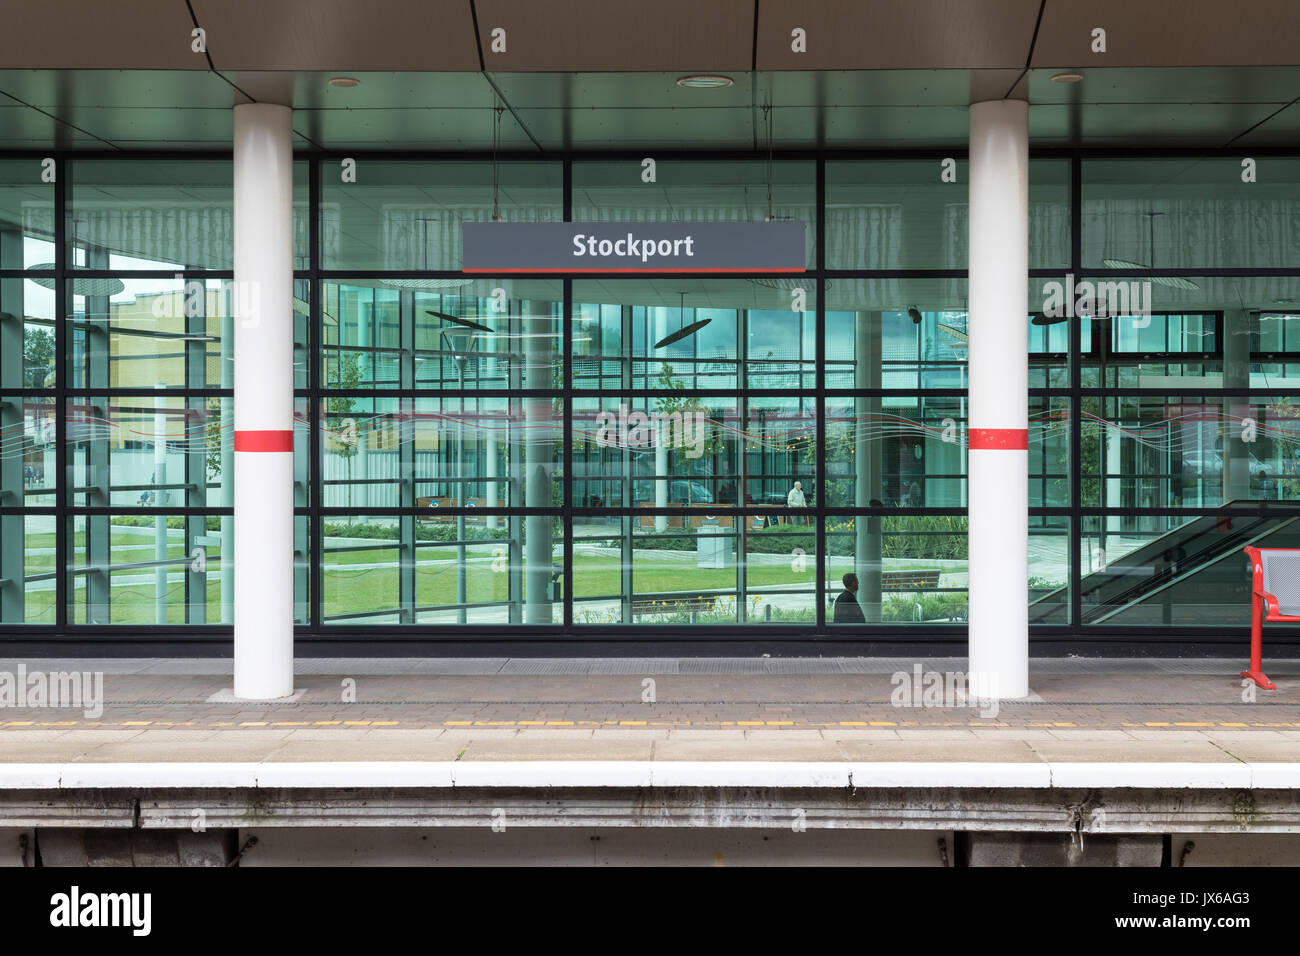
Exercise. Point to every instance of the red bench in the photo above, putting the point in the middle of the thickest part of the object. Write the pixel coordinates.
(1275, 596)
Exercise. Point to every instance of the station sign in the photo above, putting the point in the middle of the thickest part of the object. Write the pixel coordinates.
(542, 247)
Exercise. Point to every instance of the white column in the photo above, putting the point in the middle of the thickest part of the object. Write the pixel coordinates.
(263, 401)
(999, 380)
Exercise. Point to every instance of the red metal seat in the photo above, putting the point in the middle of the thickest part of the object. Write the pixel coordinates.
(1274, 596)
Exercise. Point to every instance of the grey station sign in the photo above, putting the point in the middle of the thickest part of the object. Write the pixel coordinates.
(633, 247)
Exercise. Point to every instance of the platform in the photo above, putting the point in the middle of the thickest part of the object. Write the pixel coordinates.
(785, 724)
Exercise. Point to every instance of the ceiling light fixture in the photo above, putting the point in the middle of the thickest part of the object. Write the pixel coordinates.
(685, 330)
(1172, 282)
(347, 82)
(704, 81)
(465, 323)
(425, 284)
(1067, 78)
(787, 283)
(83, 287)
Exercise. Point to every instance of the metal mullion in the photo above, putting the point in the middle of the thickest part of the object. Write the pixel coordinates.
(566, 357)
(316, 341)
(890, 274)
(819, 403)
(1075, 567)
(64, 585)
(184, 272)
(127, 509)
(1075, 391)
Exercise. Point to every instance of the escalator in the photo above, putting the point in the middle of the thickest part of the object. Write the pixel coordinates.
(1170, 578)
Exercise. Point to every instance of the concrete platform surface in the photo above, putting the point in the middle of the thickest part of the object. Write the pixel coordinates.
(1190, 721)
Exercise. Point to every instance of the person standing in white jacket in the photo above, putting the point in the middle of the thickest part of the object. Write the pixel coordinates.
(796, 499)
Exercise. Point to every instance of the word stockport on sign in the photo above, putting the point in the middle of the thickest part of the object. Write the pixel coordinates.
(645, 248)
(633, 247)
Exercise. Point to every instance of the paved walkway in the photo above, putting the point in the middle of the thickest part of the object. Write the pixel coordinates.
(815, 710)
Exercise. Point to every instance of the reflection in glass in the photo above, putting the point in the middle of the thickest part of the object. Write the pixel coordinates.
(651, 569)
(1174, 569)
(450, 334)
(1188, 451)
(125, 214)
(902, 569)
(28, 473)
(27, 334)
(147, 569)
(26, 216)
(28, 568)
(1190, 213)
(746, 333)
(896, 333)
(692, 190)
(904, 214)
(402, 216)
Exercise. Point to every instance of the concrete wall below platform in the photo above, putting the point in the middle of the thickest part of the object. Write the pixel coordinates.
(480, 846)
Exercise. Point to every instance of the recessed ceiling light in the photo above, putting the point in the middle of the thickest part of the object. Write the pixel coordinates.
(704, 81)
(1067, 78)
(347, 81)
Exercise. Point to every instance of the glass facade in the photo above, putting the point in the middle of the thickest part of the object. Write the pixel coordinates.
(576, 457)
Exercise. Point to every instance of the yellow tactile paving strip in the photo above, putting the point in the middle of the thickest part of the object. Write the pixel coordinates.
(246, 724)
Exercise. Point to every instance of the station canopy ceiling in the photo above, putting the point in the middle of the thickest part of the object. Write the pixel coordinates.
(595, 74)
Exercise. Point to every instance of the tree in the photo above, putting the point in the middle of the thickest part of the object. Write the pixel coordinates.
(214, 439)
(1285, 451)
(339, 410)
(675, 399)
(38, 355)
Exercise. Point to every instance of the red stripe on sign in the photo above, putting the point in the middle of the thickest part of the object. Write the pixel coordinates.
(264, 441)
(998, 439)
(626, 269)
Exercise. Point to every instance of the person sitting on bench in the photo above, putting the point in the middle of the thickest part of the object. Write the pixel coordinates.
(847, 610)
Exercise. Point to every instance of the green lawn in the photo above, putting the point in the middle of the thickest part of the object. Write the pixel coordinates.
(375, 588)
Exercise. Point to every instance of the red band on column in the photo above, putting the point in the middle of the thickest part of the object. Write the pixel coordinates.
(998, 439)
(264, 440)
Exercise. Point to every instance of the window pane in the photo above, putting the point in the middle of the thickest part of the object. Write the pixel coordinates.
(896, 333)
(149, 452)
(408, 215)
(694, 333)
(909, 569)
(148, 569)
(28, 473)
(699, 191)
(162, 214)
(1186, 213)
(27, 333)
(442, 333)
(895, 214)
(1155, 570)
(26, 217)
(27, 567)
